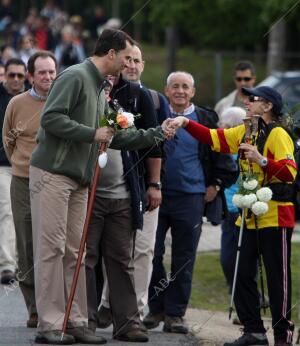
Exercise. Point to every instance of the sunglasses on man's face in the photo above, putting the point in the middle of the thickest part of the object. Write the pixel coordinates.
(14, 75)
(253, 98)
(245, 79)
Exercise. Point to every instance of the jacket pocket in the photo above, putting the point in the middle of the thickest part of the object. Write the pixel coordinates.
(62, 151)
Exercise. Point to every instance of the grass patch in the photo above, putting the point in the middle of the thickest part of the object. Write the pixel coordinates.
(211, 292)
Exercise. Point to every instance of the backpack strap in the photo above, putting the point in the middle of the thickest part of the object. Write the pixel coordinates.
(155, 98)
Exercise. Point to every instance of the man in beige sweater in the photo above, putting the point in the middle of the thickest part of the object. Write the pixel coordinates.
(21, 122)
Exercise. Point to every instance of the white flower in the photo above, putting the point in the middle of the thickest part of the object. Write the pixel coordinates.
(248, 200)
(250, 184)
(264, 194)
(237, 200)
(259, 208)
(102, 159)
(130, 118)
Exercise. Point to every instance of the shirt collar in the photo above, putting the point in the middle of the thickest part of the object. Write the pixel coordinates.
(187, 111)
(36, 96)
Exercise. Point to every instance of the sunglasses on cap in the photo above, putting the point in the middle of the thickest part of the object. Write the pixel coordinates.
(14, 75)
(253, 98)
(245, 79)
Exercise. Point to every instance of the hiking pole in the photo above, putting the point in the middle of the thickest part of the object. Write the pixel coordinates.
(264, 305)
(237, 262)
(90, 204)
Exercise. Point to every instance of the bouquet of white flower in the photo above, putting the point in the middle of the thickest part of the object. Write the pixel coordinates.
(251, 196)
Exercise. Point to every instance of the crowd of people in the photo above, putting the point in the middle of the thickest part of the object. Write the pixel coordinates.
(181, 162)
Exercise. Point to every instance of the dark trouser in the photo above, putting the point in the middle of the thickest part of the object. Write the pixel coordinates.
(20, 203)
(229, 244)
(275, 245)
(110, 232)
(170, 293)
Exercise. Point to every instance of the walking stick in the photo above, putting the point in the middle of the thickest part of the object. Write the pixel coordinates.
(237, 262)
(90, 204)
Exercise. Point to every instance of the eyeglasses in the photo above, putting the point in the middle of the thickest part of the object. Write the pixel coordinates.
(14, 75)
(253, 98)
(245, 79)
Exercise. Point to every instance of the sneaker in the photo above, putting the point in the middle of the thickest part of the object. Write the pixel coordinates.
(104, 317)
(152, 320)
(249, 339)
(54, 337)
(7, 277)
(33, 321)
(134, 334)
(84, 335)
(175, 324)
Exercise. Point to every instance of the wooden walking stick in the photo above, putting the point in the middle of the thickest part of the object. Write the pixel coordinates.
(83, 239)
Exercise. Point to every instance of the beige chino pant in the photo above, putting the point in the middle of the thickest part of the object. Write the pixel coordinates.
(58, 209)
(143, 256)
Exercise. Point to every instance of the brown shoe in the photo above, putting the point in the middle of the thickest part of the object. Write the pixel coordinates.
(33, 321)
(7, 277)
(175, 324)
(152, 320)
(134, 334)
(104, 317)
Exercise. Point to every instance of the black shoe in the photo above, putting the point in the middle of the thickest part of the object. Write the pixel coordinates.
(135, 334)
(248, 339)
(152, 320)
(7, 277)
(54, 337)
(175, 324)
(104, 317)
(83, 335)
(282, 343)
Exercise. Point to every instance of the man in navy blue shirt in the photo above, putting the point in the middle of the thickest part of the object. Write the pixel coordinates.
(191, 181)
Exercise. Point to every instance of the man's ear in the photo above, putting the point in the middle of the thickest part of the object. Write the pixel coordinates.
(166, 91)
(267, 107)
(111, 53)
(193, 92)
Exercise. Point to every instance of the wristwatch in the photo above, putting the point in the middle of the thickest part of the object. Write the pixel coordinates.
(157, 185)
(263, 162)
(218, 188)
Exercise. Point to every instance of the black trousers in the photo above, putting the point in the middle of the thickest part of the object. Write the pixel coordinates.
(110, 234)
(275, 247)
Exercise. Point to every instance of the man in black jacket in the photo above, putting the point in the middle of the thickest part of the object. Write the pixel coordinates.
(15, 72)
(194, 177)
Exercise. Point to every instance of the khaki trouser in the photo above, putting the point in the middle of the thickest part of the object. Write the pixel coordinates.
(7, 230)
(58, 209)
(143, 255)
(20, 204)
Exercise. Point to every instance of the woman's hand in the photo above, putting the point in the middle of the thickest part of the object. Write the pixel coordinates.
(251, 153)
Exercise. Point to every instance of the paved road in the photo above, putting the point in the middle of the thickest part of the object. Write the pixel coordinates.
(13, 331)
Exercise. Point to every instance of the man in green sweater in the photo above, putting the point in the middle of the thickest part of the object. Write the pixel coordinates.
(61, 170)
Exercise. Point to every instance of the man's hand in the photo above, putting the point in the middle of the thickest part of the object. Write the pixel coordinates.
(251, 152)
(104, 134)
(168, 129)
(154, 198)
(211, 193)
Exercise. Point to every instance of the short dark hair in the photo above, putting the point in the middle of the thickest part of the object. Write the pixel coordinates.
(112, 39)
(245, 65)
(14, 61)
(39, 54)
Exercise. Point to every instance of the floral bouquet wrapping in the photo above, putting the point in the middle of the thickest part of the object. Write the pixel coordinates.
(251, 196)
(119, 120)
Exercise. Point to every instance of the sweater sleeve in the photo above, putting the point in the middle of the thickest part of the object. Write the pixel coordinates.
(9, 133)
(57, 115)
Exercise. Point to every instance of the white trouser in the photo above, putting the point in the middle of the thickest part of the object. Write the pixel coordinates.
(7, 230)
(143, 256)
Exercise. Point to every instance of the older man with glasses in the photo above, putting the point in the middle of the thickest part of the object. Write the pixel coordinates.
(15, 73)
(244, 77)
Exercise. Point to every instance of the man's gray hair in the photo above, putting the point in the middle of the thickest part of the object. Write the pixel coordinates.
(173, 74)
